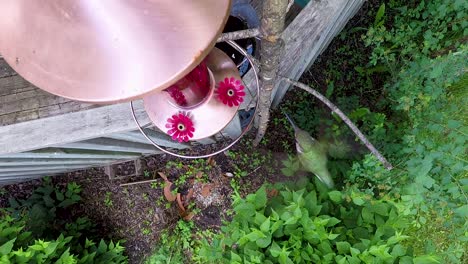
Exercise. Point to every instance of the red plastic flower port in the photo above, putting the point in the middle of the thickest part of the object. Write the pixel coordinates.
(177, 95)
(180, 127)
(230, 92)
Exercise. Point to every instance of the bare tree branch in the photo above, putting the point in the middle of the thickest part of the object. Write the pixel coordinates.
(272, 25)
(343, 117)
(240, 34)
(290, 4)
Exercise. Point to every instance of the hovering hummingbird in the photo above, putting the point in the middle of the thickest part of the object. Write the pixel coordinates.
(312, 154)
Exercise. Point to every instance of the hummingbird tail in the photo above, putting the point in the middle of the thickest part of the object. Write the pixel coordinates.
(326, 179)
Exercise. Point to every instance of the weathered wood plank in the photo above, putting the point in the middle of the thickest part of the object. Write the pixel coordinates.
(5, 69)
(56, 153)
(21, 101)
(16, 174)
(160, 138)
(41, 162)
(13, 84)
(6, 170)
(108, 144)
(73, 127)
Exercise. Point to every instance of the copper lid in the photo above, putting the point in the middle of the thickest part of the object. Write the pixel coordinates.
(108, 51)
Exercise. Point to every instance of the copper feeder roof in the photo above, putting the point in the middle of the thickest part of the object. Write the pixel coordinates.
(108, 51)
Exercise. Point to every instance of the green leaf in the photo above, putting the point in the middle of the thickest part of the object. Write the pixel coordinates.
(75, 198)
(381, 209)
(13, 203)
(305, 256)
(335, 196)
(276, 225)
(462, 211)
(65, 203)
(398, 251)
(245, 210)
(264, 242)
(265, 226)
(358, 201)
(379, 15)
(260, 198)
(254, 235)
(102, 247)
(37, 247)
(343, 247)
(332, 236)
(324, 247)
(6, 248)
(59, 195)
(275, 250)
(66, 258)
(367, 215)
(235, 257)
(332, 221)
(354, 251)
(454, 124)
(426, 259)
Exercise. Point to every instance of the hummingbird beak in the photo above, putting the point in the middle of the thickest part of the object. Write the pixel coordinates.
(290, 121)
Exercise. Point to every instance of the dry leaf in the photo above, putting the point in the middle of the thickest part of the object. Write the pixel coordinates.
(189, 216)
(189, 195)
(179, 203)
(168, 193)
(211, 161)
(206, 190)
(163, 176)
(199, 175)
(272, 193)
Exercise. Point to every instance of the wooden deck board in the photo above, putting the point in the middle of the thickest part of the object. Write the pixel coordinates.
(21, 101)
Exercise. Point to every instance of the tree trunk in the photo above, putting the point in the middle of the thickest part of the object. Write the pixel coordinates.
(272, 25)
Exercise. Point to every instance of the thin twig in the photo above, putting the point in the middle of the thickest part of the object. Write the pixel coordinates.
(138, 182)
(343, 117)
(240, 34)
(256, 169)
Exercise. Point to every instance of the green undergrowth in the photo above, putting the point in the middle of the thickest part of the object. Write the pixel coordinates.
(176, 245)
(33, 231)
(306, 223)
(408, 93)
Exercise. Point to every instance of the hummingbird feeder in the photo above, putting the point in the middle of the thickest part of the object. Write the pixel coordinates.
(118, 51)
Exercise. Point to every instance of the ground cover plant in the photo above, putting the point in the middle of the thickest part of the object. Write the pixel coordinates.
(32, 231)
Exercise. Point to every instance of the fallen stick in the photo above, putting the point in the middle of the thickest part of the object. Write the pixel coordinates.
(137, 182)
